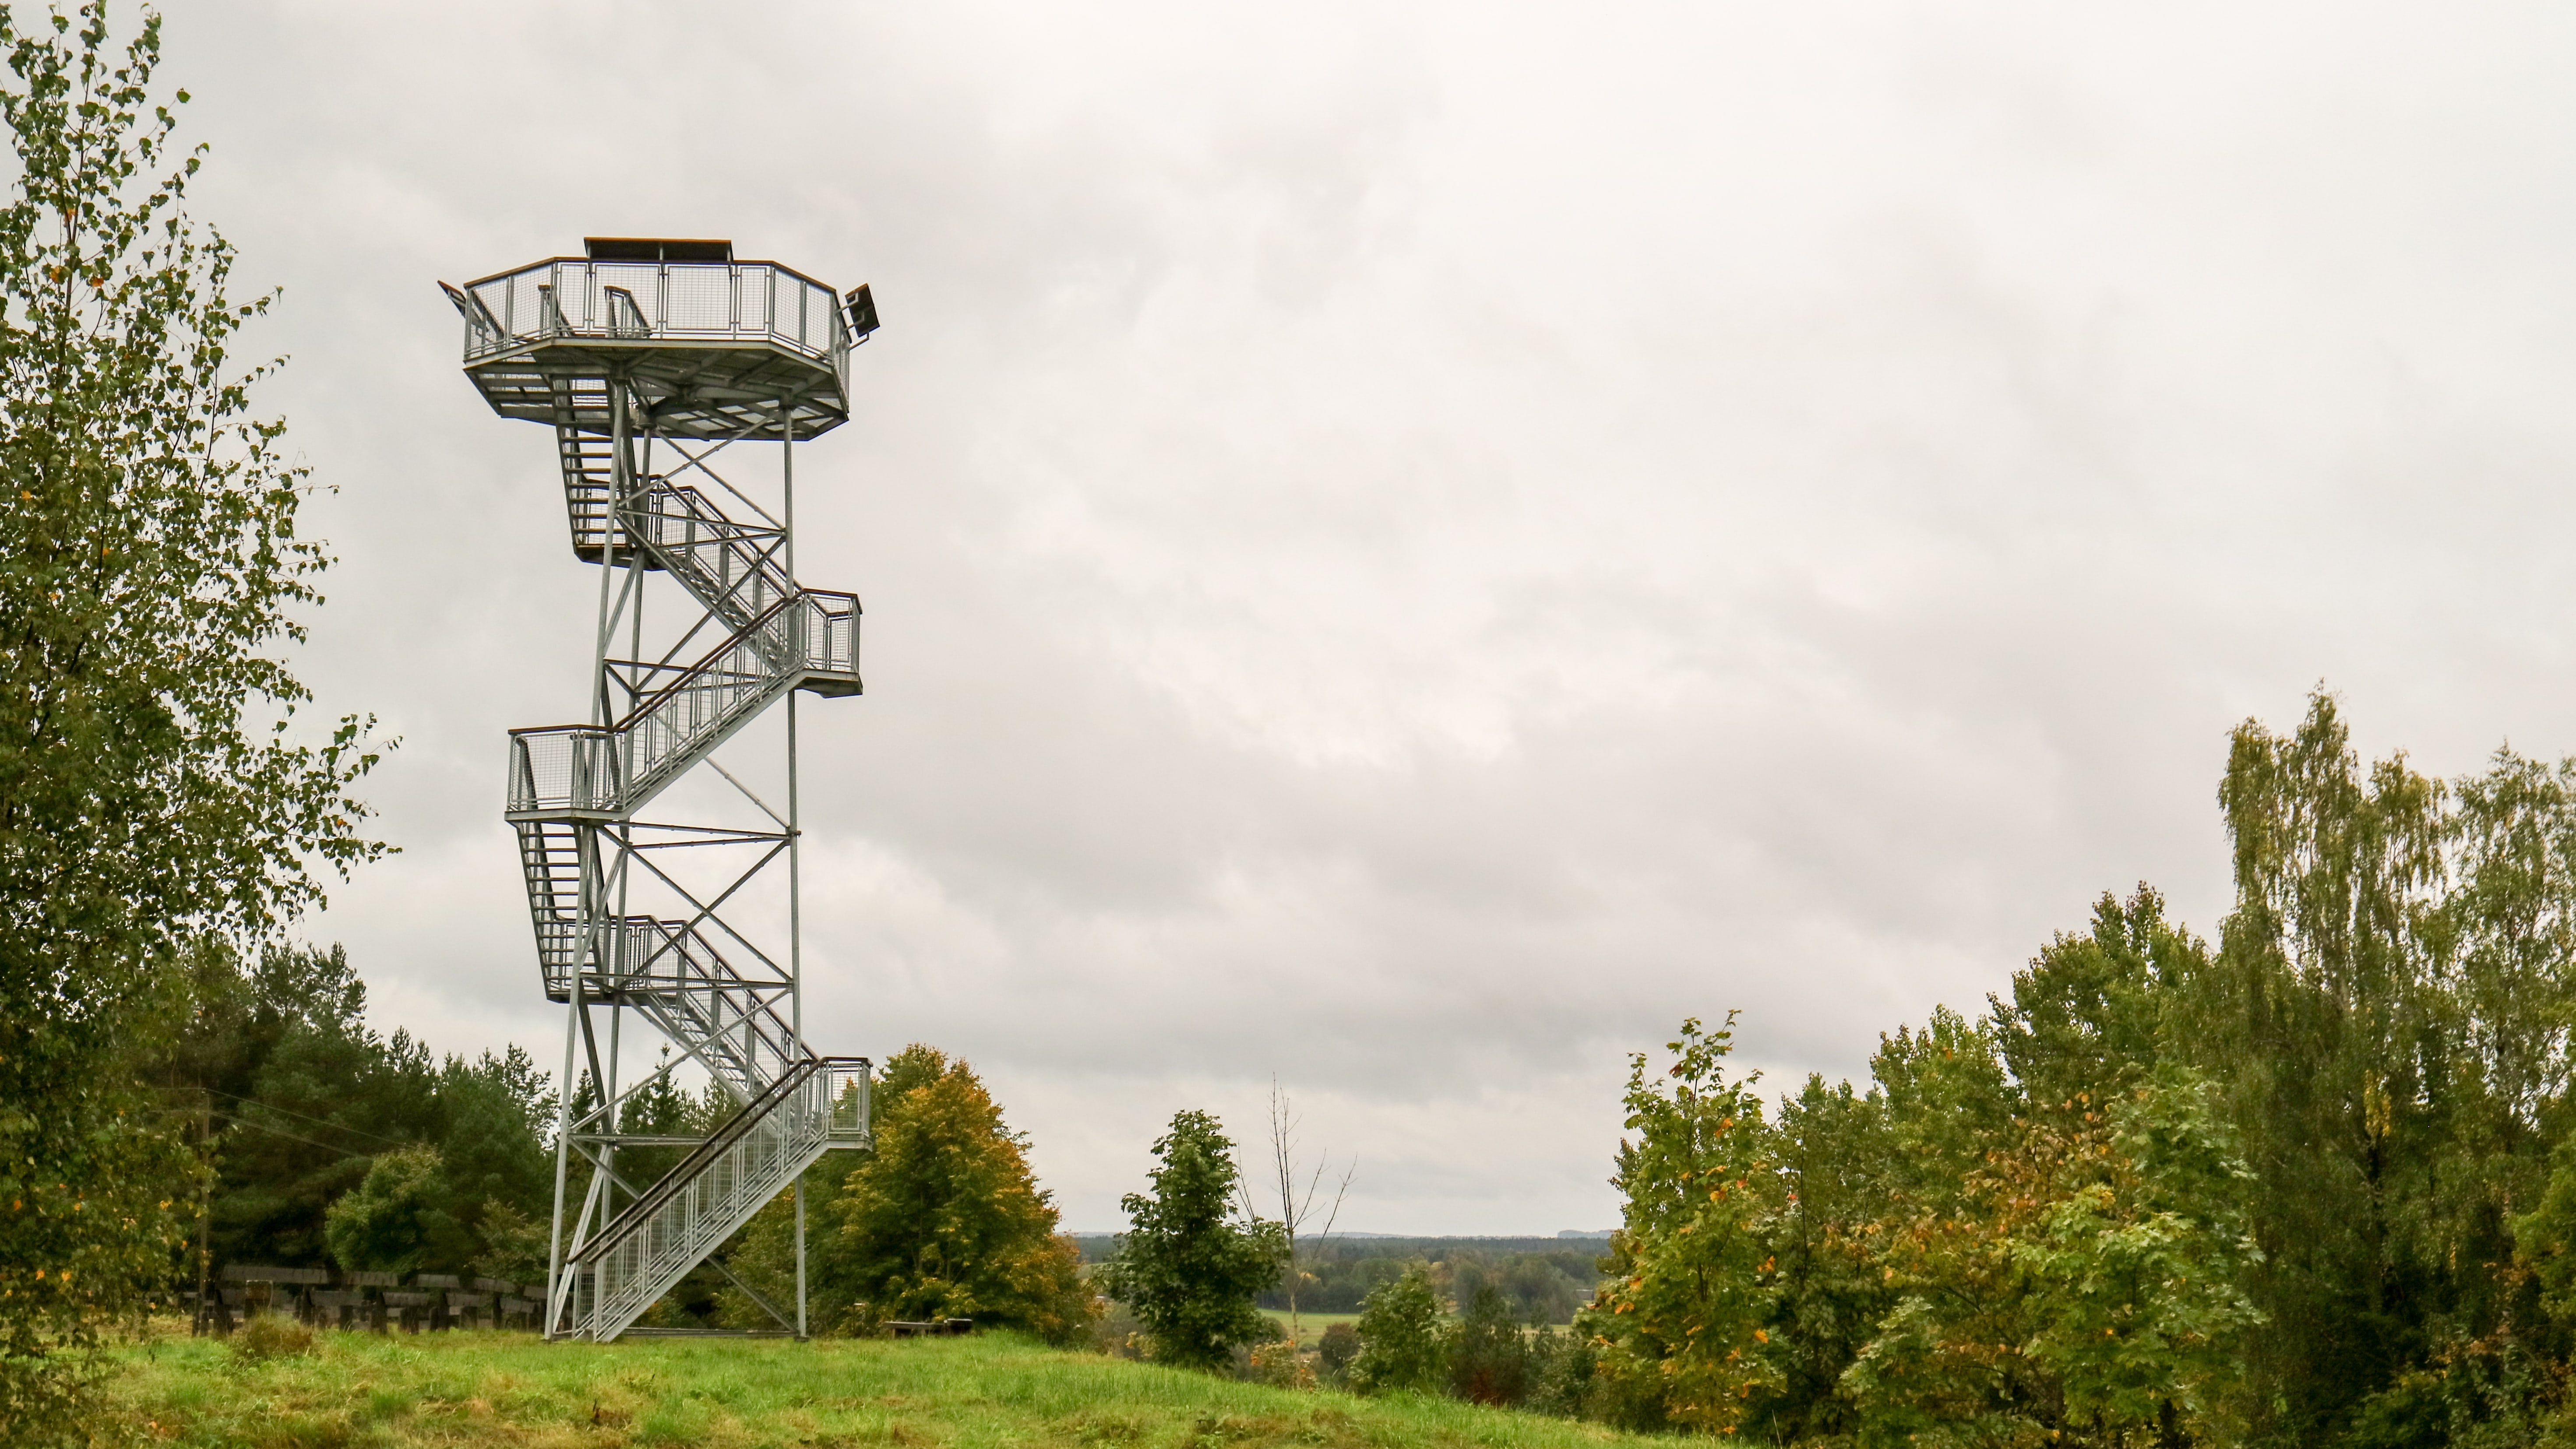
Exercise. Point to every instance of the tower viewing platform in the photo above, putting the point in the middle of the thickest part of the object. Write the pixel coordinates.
(711, 346)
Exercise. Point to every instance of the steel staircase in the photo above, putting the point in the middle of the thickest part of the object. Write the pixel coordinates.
(808, 640)
(782, 637)
(621, 353)
(669, 969)
(812, 1106)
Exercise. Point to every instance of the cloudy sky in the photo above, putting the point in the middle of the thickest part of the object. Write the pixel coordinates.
(1411, 547)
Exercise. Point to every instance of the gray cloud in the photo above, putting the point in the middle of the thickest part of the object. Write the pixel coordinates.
(1411, 548)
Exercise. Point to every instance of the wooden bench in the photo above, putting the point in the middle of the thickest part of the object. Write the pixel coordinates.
(937, 1327)
(411, 1310)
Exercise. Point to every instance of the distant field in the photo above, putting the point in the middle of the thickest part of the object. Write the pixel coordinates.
(475, 1388)
(1313, 1323)
(1096, 1246)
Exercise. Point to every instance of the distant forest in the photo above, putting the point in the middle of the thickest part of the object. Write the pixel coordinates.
(1543, 1280)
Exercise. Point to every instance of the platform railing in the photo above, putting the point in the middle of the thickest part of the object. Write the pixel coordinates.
(570, 297)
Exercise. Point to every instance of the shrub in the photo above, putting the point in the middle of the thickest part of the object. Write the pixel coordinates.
(1562, 1376)
(397, 1220)
(1489, 1362)
(270, 1336)
(1278, 1364)
(1402, 1345)
(1335, 1350)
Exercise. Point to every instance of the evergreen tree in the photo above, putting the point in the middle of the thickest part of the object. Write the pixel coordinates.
(494, 1115)
(1489, 1357)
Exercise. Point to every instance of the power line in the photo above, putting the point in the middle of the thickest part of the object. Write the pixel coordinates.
(230, 1119)
(300, 1117)
(307, 1141)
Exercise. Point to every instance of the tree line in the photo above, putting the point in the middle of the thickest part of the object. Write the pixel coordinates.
(2311, 1184)
(1543, 1280)
(1538, 1285)
(295, 1104)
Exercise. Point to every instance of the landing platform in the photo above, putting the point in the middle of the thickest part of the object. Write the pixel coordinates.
(718, 349)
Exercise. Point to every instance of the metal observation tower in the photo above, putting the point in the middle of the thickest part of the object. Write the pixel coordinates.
(674, 376)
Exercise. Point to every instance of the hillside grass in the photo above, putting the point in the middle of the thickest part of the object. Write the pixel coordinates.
(361, 1391)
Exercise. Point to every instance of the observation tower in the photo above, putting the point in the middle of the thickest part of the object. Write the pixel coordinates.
(678, 382)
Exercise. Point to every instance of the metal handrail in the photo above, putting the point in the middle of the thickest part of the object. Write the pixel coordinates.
(670, 969)
(574, 297)
(819, 1104)
(616, 767)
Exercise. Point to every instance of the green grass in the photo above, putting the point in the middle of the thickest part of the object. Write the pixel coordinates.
(359, 1391)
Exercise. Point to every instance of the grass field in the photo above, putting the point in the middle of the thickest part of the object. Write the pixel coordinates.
(1312, 1323)
(470, 1388)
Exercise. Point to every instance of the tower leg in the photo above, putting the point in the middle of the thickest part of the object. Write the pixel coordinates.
(795, 846)
(563, 1159)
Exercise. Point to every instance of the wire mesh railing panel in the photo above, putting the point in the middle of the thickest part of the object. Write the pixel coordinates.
(566, 767)
(640, 280)
(680, 1222)
(709, 301)
(699, 301)
(497, 296)
(831, 634)
(847, 1092)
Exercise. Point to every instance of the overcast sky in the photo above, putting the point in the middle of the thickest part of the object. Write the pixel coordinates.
(1412, 547)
